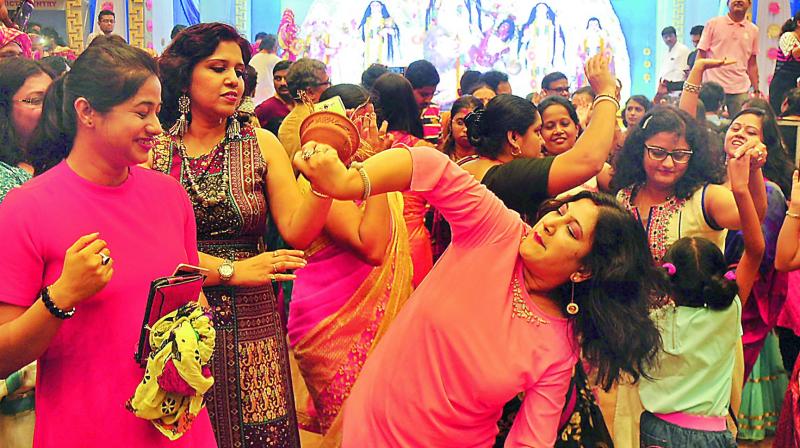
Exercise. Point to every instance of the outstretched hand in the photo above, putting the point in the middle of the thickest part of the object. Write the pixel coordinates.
(598, 72)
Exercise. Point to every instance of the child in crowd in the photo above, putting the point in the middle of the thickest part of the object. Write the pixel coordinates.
(688, 398)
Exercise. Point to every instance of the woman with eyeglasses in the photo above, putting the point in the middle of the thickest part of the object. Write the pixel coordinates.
(22, 87)
(23, 84)
(668, 178)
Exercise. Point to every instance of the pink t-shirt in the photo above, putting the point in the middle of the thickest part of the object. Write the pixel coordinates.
(88, 373)
(456, 353)
(724, 38)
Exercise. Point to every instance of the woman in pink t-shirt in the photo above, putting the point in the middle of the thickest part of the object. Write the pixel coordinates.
(507, 309)
(81, 244)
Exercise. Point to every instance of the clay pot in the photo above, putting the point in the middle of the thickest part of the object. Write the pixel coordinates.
(331, 129)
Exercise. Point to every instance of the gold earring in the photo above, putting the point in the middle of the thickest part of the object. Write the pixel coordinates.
(572, 307)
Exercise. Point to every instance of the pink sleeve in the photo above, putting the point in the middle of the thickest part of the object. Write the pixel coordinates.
(22, 263)
(476, 216)
(536, 424)
(705, 38)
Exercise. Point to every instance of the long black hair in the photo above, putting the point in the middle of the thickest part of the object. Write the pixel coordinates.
(13, 74)
(106, 74)
(699, 275)
(179, 59)
(704, 167)
(792, 103)
(613, 326)
(777, 168)
(487, 128)
(393, 98)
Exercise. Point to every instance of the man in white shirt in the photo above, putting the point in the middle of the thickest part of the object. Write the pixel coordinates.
(105, 25)
(675, 64)
(264, 61)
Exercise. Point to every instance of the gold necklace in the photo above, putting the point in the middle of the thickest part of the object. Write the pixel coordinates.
(521, 309)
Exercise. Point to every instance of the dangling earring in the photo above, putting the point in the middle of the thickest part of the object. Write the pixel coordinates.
(572, 307)
(234, 127)
(182, 123)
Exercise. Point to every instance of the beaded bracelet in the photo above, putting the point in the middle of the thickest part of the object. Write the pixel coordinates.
(53, 308)
(364, 178)
(792, 215)
(600, 98)
(690, 88)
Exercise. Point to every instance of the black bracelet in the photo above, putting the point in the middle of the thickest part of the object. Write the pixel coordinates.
(55, 310)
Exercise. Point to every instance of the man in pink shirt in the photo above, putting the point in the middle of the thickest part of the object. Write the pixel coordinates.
(732, 37)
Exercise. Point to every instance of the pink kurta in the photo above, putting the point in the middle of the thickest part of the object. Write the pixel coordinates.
(457, 352)
(88, 373)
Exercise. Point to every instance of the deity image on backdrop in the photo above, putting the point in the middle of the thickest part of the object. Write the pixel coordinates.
(542, 45)
(320, 44)
(380, 34)
(495, 47)
(595, 41)
(288, 40)
(524, 38)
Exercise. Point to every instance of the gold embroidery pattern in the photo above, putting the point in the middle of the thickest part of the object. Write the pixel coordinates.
(521, 309)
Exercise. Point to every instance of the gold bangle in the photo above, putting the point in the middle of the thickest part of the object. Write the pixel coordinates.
(610, 98)
(792, 215)
(367, 192)
(690, 88)
(318, 194)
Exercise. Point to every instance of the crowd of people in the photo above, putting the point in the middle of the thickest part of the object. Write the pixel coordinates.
(558, 270)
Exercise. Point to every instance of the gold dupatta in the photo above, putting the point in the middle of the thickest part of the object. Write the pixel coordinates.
(330, 356)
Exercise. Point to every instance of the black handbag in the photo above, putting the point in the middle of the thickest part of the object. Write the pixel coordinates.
(585, 427)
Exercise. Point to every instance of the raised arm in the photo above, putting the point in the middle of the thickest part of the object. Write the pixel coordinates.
(473, 212)
(299, 219)
(754, 246)
(588, 156)
(787, 254)
(690, 94)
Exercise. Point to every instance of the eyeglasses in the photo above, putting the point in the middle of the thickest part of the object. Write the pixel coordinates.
(35, 101)
(678, 155)
(560, 89)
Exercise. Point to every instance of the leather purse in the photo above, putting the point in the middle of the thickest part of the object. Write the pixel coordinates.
(166, 295)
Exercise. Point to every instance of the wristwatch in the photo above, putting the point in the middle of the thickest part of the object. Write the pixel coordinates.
(225, 270)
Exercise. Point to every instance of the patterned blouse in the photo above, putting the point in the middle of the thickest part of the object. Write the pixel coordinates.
(10, 177)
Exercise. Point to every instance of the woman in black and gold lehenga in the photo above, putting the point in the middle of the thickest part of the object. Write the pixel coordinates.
(237, 177)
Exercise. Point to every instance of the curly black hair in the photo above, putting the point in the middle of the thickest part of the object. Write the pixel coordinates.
(704, 167)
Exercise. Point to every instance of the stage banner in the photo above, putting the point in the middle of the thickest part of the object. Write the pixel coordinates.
(41, 4)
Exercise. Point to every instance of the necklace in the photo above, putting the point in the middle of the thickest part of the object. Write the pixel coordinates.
(204, 198)
(521, 309)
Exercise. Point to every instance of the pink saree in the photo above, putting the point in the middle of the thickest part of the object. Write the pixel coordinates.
(340, 308)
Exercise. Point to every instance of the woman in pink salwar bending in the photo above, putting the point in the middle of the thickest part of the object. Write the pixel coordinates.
(507, 309)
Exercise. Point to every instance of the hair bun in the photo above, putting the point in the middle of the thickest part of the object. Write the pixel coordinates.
(476, 126)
